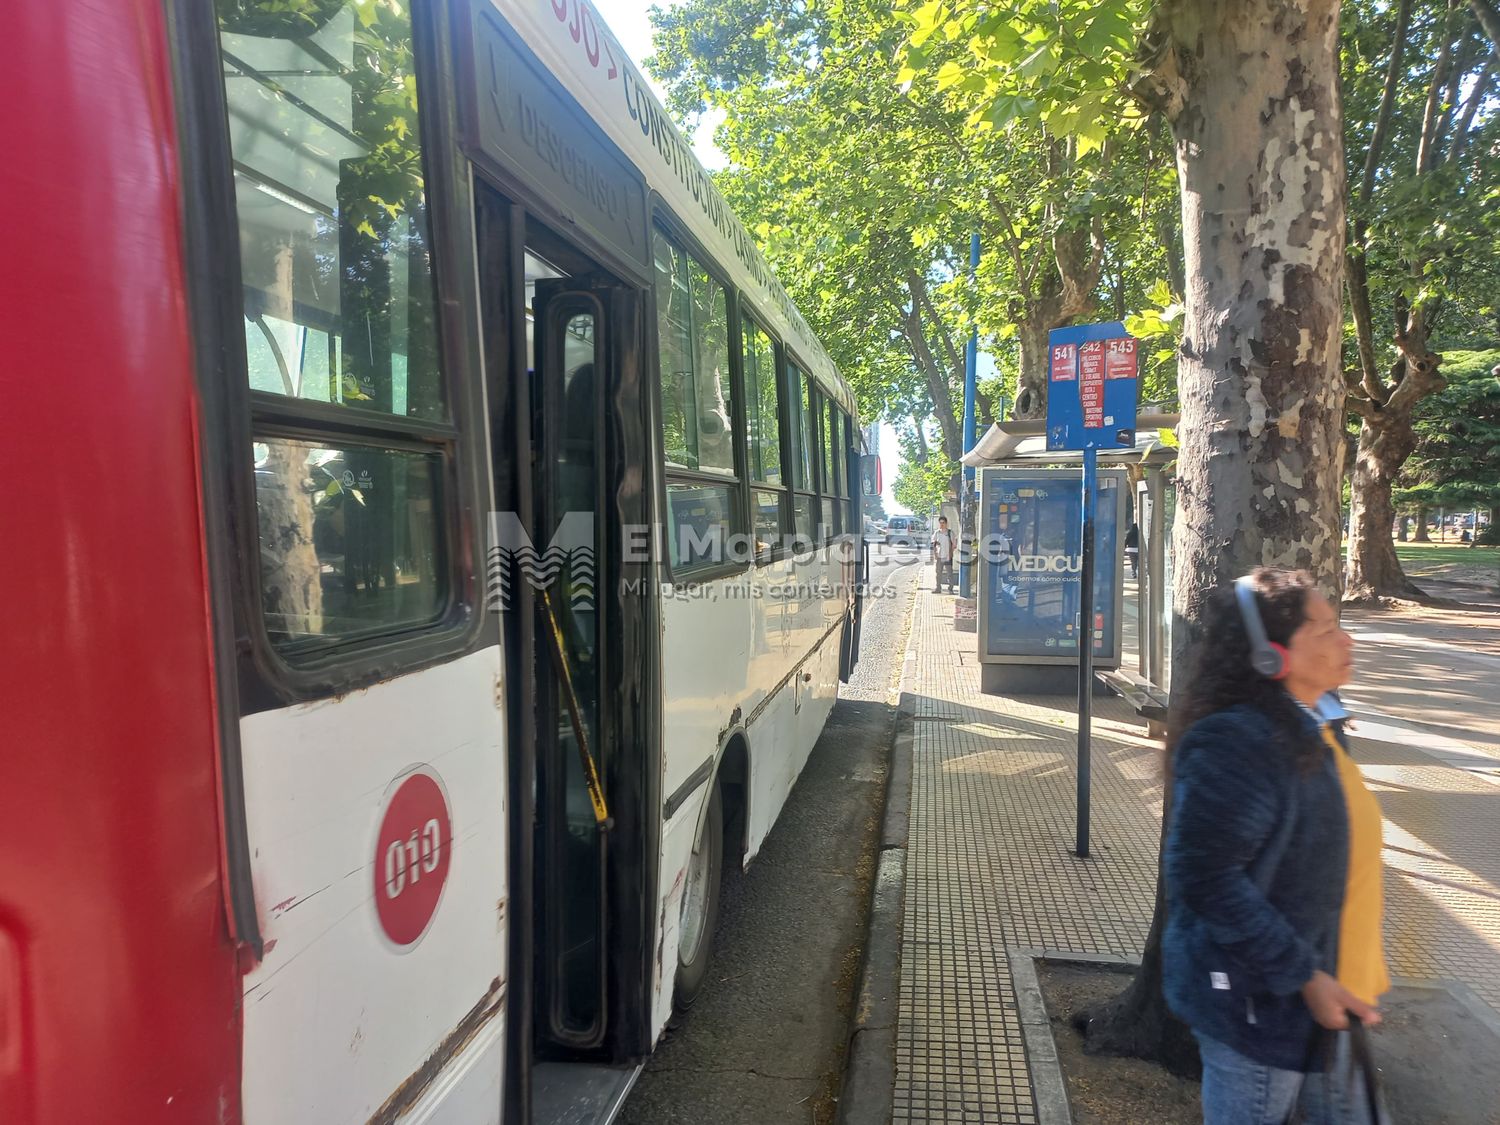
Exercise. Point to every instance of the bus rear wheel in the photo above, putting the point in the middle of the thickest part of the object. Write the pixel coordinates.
(700, 906)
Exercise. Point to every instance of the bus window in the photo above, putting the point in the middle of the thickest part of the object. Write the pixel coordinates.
(697, 401)
(340, 310)
(762, 404)
(338, 289)
(697, 409)
(349, 539)
(803, 429)
(700, 524)
(806, 519)
(763, 435)
(826, 419)
(851, 488)
(766, 512)
(833, 461)
(803, 449)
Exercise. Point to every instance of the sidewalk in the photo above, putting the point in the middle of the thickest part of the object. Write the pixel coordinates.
(990, 867)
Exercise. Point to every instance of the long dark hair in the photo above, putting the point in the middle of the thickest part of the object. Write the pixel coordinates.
(1222, 676)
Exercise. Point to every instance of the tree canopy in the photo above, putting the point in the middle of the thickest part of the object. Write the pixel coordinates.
(863, 150)
(864, 187)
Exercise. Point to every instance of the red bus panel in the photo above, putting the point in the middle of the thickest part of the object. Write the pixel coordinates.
(118, 985)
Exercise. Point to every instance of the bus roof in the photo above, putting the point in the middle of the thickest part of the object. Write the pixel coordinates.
(583, 54)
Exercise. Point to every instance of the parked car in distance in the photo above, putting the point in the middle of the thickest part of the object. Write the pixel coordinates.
(905, 531)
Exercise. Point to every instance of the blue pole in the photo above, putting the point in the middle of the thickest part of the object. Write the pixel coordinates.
(1086, 649)
(971, 365)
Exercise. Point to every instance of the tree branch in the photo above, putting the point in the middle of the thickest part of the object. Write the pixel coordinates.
(1012, 242)
(1421, 373)
(1354, 400)
(1489, 19)
(945, 338)
(1387, 101)
(1358, 283)
(921, 439)
(1427, 145)
(937, 382)
(1466, 119)
(1463, 58)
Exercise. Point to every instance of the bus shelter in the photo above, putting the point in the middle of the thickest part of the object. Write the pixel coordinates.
(1023, 444)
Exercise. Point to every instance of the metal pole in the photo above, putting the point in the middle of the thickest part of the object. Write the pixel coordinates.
(966, 519)
(1156, 577)
(1086, 649)
(1140, 501)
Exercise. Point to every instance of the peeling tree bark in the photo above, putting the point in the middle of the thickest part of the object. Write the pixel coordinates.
(1251, 91)
(1260, 161)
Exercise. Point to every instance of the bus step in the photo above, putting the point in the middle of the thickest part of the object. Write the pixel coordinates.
(569, 1093)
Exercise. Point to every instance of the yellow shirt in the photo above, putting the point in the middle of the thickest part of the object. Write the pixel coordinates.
(1361, 966)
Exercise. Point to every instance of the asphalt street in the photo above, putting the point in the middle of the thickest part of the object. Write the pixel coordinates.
(764, 1044)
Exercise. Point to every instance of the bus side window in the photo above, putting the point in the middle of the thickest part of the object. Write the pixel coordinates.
(340, 313)
(850, 488)
(804, 453)
(833, 469)
(697, 409)
(763, 444)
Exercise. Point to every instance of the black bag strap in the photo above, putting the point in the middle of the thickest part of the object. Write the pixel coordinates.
(1364, 1061)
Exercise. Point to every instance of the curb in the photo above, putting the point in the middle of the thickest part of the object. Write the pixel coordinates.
(1048, 1087)
(865, 1095)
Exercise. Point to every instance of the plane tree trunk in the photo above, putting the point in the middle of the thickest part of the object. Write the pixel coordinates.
(1260, 164)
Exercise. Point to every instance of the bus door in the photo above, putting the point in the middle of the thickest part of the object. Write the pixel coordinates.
(592, 885)
(572, 370)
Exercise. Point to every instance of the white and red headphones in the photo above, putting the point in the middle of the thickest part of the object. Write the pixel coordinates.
(1266, 656)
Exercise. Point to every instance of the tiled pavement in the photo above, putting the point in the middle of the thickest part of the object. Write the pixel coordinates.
(990, 867)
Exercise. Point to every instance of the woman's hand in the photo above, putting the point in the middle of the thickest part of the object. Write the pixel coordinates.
(1331, 1003)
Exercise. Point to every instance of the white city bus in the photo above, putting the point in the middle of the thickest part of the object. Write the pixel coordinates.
(406, 325)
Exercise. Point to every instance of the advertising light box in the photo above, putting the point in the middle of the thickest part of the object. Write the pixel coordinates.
(1030, 555)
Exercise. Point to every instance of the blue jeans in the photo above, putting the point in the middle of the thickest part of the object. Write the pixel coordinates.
(1240, 1091)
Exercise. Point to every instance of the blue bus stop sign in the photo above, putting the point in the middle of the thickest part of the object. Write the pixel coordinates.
(1092, 384)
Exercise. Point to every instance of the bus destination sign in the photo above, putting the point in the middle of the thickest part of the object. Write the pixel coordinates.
(1092, 387)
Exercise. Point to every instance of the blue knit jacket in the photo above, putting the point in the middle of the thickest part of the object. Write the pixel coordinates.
(1256, 856)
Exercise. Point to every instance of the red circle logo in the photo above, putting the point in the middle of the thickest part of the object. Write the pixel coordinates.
(412, 854)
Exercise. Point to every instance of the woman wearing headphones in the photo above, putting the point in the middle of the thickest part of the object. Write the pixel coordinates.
(1272, 862)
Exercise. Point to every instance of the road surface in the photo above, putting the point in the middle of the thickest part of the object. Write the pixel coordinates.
(764, 1044)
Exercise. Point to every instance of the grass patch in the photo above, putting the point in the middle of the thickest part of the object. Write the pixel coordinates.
(1455, 562)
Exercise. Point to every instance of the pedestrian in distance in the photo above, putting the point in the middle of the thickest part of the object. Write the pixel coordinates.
(942, 547)
(1273, 950)
(1133, 548)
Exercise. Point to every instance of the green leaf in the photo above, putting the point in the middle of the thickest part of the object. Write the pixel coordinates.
(926, 19)
(949, 74)
(1038, 64)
